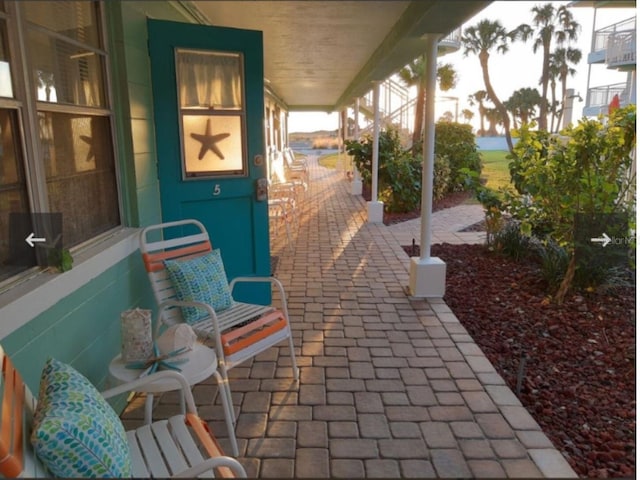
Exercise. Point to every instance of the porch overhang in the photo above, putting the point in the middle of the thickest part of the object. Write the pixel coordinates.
(320, 56)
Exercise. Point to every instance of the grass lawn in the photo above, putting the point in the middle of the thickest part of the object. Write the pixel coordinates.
(341, 161)
(495, 168)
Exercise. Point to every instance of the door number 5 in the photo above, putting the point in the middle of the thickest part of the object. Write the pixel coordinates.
(216, 190)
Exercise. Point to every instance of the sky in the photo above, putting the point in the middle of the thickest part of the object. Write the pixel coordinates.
(518, 68)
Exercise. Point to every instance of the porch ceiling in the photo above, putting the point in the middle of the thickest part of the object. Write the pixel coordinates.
(321, 55)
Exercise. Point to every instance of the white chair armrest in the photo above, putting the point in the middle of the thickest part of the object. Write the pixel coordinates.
(212, 463)
(133, 385)
(271, 280)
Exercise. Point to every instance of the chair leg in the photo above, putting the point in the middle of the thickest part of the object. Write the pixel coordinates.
(229, 413)
(294, 365)
(148, 409)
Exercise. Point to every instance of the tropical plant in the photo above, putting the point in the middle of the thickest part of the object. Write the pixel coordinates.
(478, 98)
(549, 22)
(400, 170)
(467, 114)
(573, 180)
(523, 104)
(510, 241)
(494, 117)
(480, 39)
(560, 68)
(446, 117)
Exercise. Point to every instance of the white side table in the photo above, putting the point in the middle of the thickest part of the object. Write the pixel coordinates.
(201, 364)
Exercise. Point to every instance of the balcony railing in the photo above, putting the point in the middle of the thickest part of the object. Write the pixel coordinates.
(621, 49)
(451, 42)
(615, 45)
(599, 98)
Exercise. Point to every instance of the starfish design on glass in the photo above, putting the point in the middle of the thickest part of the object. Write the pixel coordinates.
(88, 140)
(209, 141)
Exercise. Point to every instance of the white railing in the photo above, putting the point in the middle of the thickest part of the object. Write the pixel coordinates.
(603, 95)
(621, 49)
(601, 36)
(453, 41)
(401, 118)
(396, 108)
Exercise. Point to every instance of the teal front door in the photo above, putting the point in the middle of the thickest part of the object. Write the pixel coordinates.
(208, 92)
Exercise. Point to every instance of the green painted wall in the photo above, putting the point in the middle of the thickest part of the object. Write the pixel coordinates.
(83, 329)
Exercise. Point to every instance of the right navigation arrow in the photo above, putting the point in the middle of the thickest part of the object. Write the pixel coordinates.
(605, 240)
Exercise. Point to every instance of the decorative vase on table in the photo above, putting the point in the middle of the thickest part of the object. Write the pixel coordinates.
(137, 339)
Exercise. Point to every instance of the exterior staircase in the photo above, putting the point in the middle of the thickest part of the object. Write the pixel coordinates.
(397, 101)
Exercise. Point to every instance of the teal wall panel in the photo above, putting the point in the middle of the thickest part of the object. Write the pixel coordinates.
(82, 329)
(150, 207)
(141, 101)
(146, 171)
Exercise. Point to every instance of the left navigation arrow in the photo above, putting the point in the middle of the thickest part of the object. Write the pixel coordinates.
(32, 239)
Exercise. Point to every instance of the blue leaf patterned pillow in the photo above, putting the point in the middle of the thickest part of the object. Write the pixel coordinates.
(76, 433)
(200, 279)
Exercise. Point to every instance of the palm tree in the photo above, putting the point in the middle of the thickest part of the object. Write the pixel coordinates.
(522, 104)
(561, 59)
(480, 39)
(414, 74)
(495, 118)
(478, 98)
(548, 22)
(467, 114)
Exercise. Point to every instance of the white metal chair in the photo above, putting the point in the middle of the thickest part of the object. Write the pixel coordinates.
(166, 448)
(238, 333)
(282, 209)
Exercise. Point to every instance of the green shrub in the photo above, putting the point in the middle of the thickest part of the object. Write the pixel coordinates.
(400, 172)
(510, 241)
(591, 271)
(457, 143)
(582, 173)
(554, 261)
(441, 176)
(401, 184)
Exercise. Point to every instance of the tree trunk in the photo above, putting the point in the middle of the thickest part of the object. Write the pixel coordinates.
(563, 91)
(544, 104)
(484, 63)
(566, 281)
(417, 124)
(481, 109)
(553, 127)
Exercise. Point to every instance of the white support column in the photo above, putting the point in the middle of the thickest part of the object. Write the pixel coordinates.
(567, 112)
(375, 208)
(427, 274)
(356, 184)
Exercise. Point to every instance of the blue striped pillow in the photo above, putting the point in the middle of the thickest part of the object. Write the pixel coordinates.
(200, 279)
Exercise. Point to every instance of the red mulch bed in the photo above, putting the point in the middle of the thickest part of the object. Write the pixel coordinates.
(579, 380)
(451, 200)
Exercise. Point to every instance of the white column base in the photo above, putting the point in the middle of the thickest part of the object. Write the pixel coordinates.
(356, 187)
(427, 277)
(375, 211)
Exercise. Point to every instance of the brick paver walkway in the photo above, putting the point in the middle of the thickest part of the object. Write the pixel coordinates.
(390, 386)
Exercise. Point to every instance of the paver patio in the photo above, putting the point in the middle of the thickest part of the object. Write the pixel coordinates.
(390, 386)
